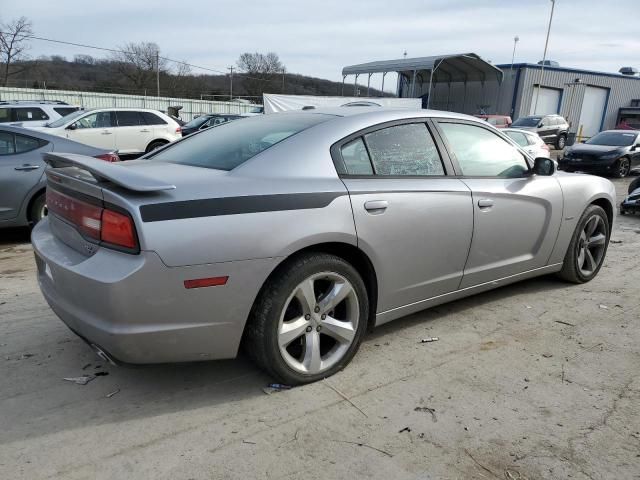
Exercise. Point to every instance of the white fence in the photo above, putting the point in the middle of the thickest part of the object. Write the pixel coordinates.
(190, 108)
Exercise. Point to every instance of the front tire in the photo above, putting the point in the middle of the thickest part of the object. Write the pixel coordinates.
(588, 247)
(38, 209)
(622, 168)
(154, 145)
(633, 185)
(309, 319)
(561, 142)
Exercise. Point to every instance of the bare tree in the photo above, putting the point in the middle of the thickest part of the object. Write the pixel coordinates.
(260, 70)
(177, 77)
(138, 63)
(14, 37)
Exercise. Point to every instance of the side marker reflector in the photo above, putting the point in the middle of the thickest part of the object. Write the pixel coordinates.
(206, 282)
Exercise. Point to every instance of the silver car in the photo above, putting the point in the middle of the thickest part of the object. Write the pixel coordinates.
(292, 234)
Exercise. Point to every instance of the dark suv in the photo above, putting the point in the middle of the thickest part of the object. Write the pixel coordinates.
(552, 129)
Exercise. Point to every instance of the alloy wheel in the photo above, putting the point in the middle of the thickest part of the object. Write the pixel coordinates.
(318, 323)
(624, 166)
(43, 212)
(591, 245)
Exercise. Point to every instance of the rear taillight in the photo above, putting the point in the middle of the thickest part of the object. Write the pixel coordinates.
(546, 147)
(179, 130)
(109, 157)
(118, 229)
(94, 222)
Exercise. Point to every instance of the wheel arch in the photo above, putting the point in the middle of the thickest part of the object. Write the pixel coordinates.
(163, 141)
(606, 205)
(32, 198)
(350, 253)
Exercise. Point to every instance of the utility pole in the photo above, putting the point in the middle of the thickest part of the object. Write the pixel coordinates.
(516, 39)
(158, 71)
(544, 57)
(231, 83)
(283, 72)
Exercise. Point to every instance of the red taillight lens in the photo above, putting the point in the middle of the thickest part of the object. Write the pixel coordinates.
(179, 130)
(118, 229)
(85, 216)
(109, 157)
(546, 147)
(94, 222)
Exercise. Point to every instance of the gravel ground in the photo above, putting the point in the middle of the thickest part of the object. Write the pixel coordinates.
(537, 380)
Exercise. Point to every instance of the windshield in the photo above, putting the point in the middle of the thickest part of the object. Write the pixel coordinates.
(527, 122)
(66, 119)
(233, 143)
(196, 122)
(613, 139)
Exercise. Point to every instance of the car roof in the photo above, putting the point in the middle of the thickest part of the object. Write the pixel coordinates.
(619, 131)
(375, 113)
(32, 133)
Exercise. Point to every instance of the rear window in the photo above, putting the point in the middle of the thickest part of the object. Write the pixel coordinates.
(129, 118)
(233, 143)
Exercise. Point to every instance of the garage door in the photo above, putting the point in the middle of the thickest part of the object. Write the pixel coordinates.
(548, 101)
(593, 106)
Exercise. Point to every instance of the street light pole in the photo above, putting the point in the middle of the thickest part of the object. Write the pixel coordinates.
(516, 39)
(158, 71)
(544, 57)
(231, 83)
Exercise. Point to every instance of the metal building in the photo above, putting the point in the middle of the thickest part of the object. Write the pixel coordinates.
(591, 101)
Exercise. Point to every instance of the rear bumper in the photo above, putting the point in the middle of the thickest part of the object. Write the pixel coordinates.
(137, 309)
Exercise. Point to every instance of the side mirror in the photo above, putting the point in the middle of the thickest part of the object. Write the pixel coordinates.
(73, 126)
(633, 148)
(544, 166)
(540, 125)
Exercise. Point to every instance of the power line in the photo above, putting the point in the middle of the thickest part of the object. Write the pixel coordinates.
(114, 50)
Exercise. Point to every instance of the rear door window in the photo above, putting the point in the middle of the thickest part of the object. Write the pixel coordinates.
(128, 118)
(519, 138)
(406, 150)
(5, 115)
(26, 144)
(29, 114)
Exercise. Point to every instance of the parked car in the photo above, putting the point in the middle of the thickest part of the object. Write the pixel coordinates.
(128, 130)
(631, 204)
(612, 152)
(553, 129)
(294, 233)
(529, 141)
(22, 179)
(498, 121)
(33, 113)
(206, 121)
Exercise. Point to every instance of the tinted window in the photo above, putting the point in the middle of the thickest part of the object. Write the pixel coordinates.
(356, 158)
(152, 119)
(7, 145)
(26, 144)
(229, 145)
(95, 120)
(30, 114)
(613, 139)
(62, 111)
(519, 138)
(404, 150)
(527, 122)
(482, 153)
(5, 115)
(129, 119)
(533, 139)
(196, 122)
(66, 119)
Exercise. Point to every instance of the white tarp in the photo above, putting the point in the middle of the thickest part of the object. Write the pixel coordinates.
(280, 103)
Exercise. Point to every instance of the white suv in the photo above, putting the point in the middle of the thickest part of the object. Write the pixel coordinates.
(33, 113)
(127, 130)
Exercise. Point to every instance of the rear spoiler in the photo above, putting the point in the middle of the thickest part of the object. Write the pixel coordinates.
(112, 172)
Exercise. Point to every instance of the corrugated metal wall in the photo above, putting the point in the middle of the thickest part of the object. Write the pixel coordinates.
(191, 108)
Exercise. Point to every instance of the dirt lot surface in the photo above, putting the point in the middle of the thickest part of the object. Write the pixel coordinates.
(538, 380)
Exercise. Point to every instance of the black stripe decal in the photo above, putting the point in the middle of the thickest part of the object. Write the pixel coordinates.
(213, 207)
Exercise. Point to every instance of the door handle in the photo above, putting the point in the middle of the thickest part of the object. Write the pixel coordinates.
(26, 167)
(106, 133)
(376, 206)
(485, 203)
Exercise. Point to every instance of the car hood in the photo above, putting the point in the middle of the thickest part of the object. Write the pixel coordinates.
(598, 150)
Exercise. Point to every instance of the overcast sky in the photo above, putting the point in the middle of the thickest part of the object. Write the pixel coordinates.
(318, 38)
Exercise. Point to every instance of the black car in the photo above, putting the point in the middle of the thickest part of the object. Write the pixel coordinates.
(612, 152)
(206, 121)
(632, 202)
(553, 129)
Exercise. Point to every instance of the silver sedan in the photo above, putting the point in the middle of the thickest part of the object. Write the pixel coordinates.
(292, 234)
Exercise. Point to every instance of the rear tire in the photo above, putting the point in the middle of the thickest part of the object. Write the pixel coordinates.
(155, 144)
(295, 331)
(588, 247)
(561, 141)
(38, 209)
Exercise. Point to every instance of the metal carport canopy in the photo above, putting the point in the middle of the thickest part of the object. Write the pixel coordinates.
(461, 67)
